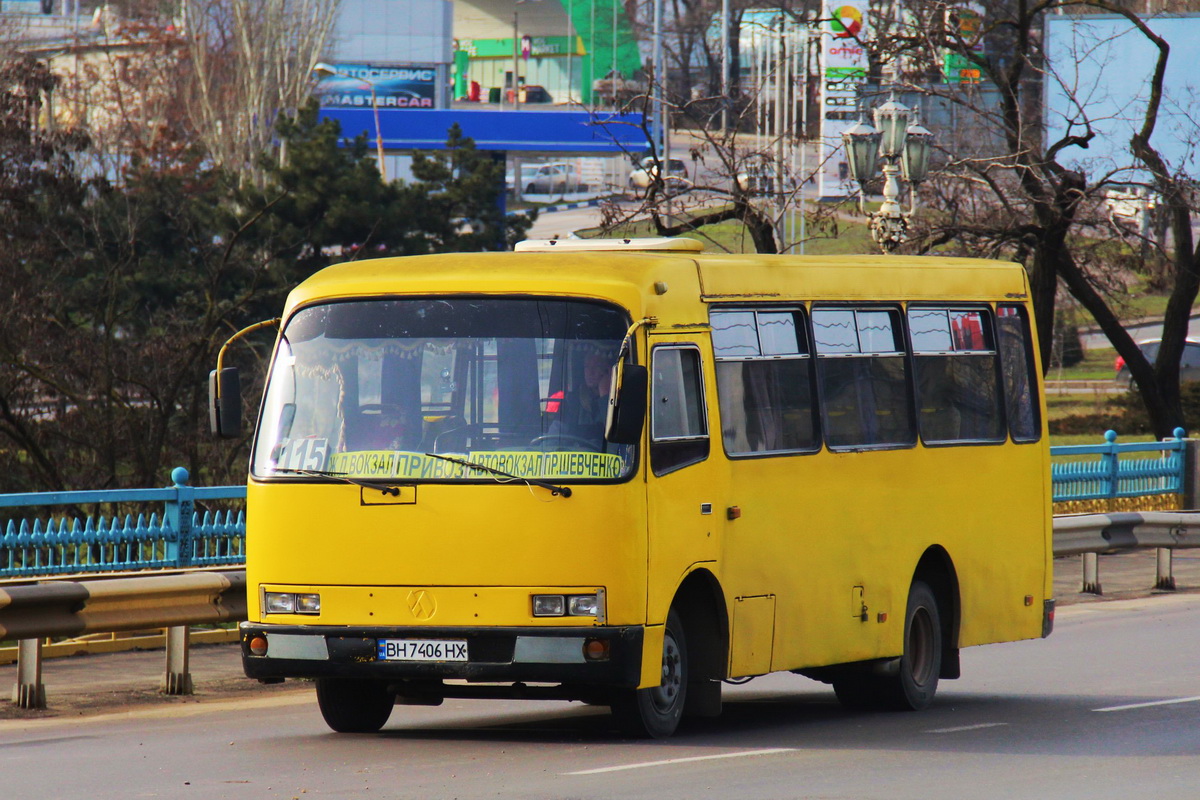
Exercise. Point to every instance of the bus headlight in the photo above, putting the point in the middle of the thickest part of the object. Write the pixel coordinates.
(290, 603)
(574, 605)
(582, 605)
(549, 605)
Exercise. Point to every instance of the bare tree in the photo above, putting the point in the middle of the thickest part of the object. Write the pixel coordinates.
(746, 157)
(253, 60)
(1005, 189)
(122, 91)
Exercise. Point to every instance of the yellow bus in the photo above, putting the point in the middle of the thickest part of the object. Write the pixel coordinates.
(625, 471)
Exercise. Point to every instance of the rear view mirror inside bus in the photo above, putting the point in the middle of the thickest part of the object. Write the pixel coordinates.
(225, 403)
(628, 413)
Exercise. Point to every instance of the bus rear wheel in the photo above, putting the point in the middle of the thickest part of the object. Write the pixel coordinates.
(655, 712)
(913, 687)
(913, 681)
(351, 706)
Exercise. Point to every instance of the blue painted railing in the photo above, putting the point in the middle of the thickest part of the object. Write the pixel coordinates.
(181, 537)
(1121, 470)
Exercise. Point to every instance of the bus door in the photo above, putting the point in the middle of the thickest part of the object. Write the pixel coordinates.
(687, 502)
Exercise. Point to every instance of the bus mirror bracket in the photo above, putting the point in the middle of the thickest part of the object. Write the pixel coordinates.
(225, 403)
(627, 414)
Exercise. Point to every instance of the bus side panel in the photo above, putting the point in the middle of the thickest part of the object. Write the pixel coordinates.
(837, 537)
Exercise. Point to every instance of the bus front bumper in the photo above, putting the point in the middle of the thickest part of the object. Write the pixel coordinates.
(593, 656)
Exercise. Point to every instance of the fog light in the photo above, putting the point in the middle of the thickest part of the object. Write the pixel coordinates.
(595, 649)
(549, 605)
(582, 605)
(280, 602)
(258, 645)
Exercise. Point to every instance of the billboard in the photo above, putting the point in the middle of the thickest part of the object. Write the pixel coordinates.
(1100, 70)
(843, 71)
(410, 86)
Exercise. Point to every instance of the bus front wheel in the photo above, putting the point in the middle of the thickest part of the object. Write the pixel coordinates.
(655, 712)
(350, 706)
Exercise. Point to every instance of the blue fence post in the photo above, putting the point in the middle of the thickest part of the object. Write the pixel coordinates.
(178, 514)
(1112, 464)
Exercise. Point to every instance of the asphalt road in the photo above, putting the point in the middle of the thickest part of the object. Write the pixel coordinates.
(1108, 707)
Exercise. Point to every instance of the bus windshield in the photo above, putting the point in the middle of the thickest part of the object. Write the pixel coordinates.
(375, 389)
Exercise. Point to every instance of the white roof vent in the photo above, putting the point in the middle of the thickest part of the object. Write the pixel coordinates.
(655, 244)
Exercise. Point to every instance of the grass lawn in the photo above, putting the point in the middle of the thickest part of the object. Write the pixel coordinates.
(1097, 365)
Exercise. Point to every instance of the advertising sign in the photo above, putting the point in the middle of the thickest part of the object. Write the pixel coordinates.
(843, 71)
(411, 86)
(964, 67)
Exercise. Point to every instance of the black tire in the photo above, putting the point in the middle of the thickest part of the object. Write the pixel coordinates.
(913, 688)
(654, 713)
(350, 706)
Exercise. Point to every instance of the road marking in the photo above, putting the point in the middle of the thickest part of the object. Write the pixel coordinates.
(962, 728)
(1132, 706)
(670, 761)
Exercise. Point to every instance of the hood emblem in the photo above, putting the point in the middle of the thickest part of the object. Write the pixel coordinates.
(421, 604)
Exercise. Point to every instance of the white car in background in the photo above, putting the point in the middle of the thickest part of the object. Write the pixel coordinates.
(561, 178)
(643, 177)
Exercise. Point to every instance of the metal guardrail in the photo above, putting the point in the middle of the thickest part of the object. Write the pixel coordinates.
(76, 608)
(181, 537)
(30, 613)
(1094, 534)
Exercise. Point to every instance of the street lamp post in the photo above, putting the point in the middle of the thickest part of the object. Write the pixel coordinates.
(325, 70)
(903, 147)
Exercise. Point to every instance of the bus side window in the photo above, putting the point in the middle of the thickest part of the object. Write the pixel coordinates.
(764, 381)
(863, 373)
(678, 425)
(957, 373)
(1016, 363)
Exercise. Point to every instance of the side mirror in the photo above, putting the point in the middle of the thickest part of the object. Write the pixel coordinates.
(627, 415)
(225, 403)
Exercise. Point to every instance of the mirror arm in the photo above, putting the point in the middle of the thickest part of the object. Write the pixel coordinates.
(266, 323)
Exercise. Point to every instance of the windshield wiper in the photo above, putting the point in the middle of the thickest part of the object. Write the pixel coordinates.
(565, 491)
(381, 486)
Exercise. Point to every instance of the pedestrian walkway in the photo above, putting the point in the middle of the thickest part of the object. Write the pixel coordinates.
(102, 683)
(108, 682)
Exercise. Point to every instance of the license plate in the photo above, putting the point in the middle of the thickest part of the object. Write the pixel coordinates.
(422, 650)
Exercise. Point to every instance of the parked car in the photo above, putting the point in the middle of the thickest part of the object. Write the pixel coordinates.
(559, 178)
(1189, 365)
(674, 182)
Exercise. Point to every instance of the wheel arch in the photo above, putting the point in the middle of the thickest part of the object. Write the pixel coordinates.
(936, 569)
(700, 604)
